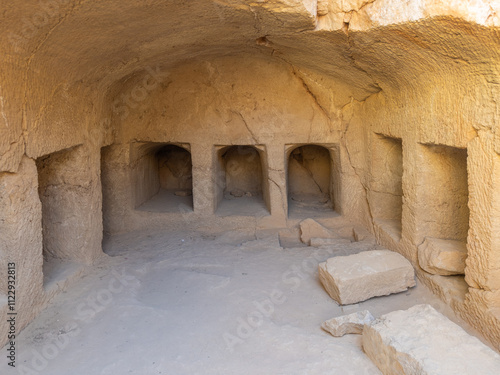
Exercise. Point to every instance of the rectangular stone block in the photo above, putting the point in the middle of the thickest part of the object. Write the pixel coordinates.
(422, 341)
(355, 278)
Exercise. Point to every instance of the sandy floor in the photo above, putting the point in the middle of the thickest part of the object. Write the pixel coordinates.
(179, 303)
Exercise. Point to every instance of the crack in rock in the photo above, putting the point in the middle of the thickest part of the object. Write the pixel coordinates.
(237, 113)
(343, 141)
(310, 93)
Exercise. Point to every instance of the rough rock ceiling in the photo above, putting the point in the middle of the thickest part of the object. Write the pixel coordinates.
(60, 52)
(103, 41)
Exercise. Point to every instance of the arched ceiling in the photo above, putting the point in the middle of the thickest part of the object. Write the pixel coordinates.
(104, 41)
(58, 50)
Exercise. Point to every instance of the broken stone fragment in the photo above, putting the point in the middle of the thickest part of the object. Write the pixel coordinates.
(352, 323)
(442, 257)
(422, 341)
(310, 228)
(355, 278)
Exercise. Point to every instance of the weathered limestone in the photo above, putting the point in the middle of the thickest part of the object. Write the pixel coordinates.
(323, 7)
(442, 257)
(352, 323)
(420, 340)
(310, 228)
(374, 13)
(355, 278)
(405, 92)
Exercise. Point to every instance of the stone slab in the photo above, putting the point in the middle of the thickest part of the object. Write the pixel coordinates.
(422, 341)
(355, 278)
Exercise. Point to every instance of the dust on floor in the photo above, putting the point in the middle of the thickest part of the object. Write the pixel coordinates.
(200, 303)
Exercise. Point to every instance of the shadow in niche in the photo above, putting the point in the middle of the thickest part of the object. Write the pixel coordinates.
(240, 185)
(167, 201)
(310, 183)
(164, 181)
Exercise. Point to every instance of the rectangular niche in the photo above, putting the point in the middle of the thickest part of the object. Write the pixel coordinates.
(241, 181)
(313, 180)
(162, 177)
(60, 190)
(443, 184)
(443, 215)
(386, 184)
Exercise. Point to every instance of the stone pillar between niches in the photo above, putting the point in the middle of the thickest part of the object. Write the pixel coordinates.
(386, 185)
(351, 201)
(204, 178)
(274, 172)
(483, 261)
(21, 243)
(413, 207)
(89, 248)
(118, 200)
